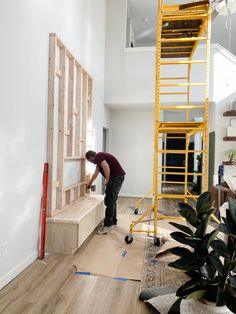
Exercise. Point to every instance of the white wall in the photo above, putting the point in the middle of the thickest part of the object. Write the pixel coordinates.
(223, 91)
(24, 28)
(135, 82)
(132, 143)
(221, 32)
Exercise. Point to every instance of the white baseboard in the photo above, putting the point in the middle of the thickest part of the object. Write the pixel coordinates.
(18, 269)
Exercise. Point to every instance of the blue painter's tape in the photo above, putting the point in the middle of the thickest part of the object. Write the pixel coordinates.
(120, 278)
(124, 253)
(154, 261)
(86, 273)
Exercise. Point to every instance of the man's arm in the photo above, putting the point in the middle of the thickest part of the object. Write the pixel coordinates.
(106, 170)
(94, 176)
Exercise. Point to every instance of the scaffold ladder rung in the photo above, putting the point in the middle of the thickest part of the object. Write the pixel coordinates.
(184, 84)
(174, 78)
(182, 62)
(183, 18)
(183, 107)
(182, 40)
(173, 93)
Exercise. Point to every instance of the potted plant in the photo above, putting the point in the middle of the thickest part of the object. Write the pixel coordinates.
(209, 261)
(231, 154)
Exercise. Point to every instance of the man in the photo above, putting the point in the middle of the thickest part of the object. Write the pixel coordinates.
(114, 176)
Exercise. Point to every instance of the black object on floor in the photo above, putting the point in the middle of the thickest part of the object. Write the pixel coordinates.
(154, 292)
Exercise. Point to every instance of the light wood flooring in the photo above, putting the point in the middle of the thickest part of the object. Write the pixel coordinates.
(50, 286)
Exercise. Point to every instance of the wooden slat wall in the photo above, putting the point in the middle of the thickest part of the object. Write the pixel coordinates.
(60, 156)
(78, 107)
(70, 106)
(74, 104)
(51, 87)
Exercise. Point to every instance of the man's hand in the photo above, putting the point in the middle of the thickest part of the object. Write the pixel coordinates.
(106, 181)
(94, 176)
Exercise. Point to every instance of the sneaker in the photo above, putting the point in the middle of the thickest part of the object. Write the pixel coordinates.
(104, 230)
(113, 227)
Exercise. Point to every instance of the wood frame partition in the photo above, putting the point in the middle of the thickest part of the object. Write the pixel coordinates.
(69, 125)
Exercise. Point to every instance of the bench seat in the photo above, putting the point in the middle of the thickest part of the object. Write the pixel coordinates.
(66, 231)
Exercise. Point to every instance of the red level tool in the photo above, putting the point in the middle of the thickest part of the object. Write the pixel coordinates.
(44, 208)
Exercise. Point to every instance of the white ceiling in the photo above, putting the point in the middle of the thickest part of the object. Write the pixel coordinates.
(145, 31)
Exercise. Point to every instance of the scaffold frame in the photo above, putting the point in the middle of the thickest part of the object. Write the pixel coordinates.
(180, 28)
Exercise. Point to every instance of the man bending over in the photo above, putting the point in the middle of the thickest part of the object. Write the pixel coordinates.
(114, 176)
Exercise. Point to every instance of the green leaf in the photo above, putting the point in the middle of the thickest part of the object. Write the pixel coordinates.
(189, 259)
(233, 266)
(200, 228)
(232, 281)
(220, 248)
(190, 284)
(179, 251)
(206, 239)
(182, 228)
(188, 213)
(210, 237)
(231, 303)
(187, 262)
(196, 239)
(231, 291)
(227, 229)
(208, 271)
(177, 266)
(194, 274)
(203, 223)
(221, 298)
(204, 202)
(216, 262)
(181, 237)
(199, 294)
(230, 221)
(175, 305)
(187, 287)
(232, 208)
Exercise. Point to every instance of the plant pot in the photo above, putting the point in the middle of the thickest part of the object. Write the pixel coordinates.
(202, 307)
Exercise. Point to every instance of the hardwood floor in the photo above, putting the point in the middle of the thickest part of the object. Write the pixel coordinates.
(50, 286)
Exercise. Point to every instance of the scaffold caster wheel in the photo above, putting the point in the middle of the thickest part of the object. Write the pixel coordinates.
(136, 211)
(128, 239)
(157, 242)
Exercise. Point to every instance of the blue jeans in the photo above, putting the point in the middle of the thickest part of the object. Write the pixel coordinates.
(111, 194)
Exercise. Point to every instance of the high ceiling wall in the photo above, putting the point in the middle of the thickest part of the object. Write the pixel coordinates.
(143, 14)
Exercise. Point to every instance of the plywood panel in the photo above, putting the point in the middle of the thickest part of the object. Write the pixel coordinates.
(69, 229)
(61, 237)
(72, 170)
(89, 223)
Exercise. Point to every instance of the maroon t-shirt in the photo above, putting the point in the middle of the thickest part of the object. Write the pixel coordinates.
(115, 167)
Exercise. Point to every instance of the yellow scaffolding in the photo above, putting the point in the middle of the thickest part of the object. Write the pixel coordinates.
(180, 28)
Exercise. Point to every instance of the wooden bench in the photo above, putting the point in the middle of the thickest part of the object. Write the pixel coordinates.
(66, 231)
